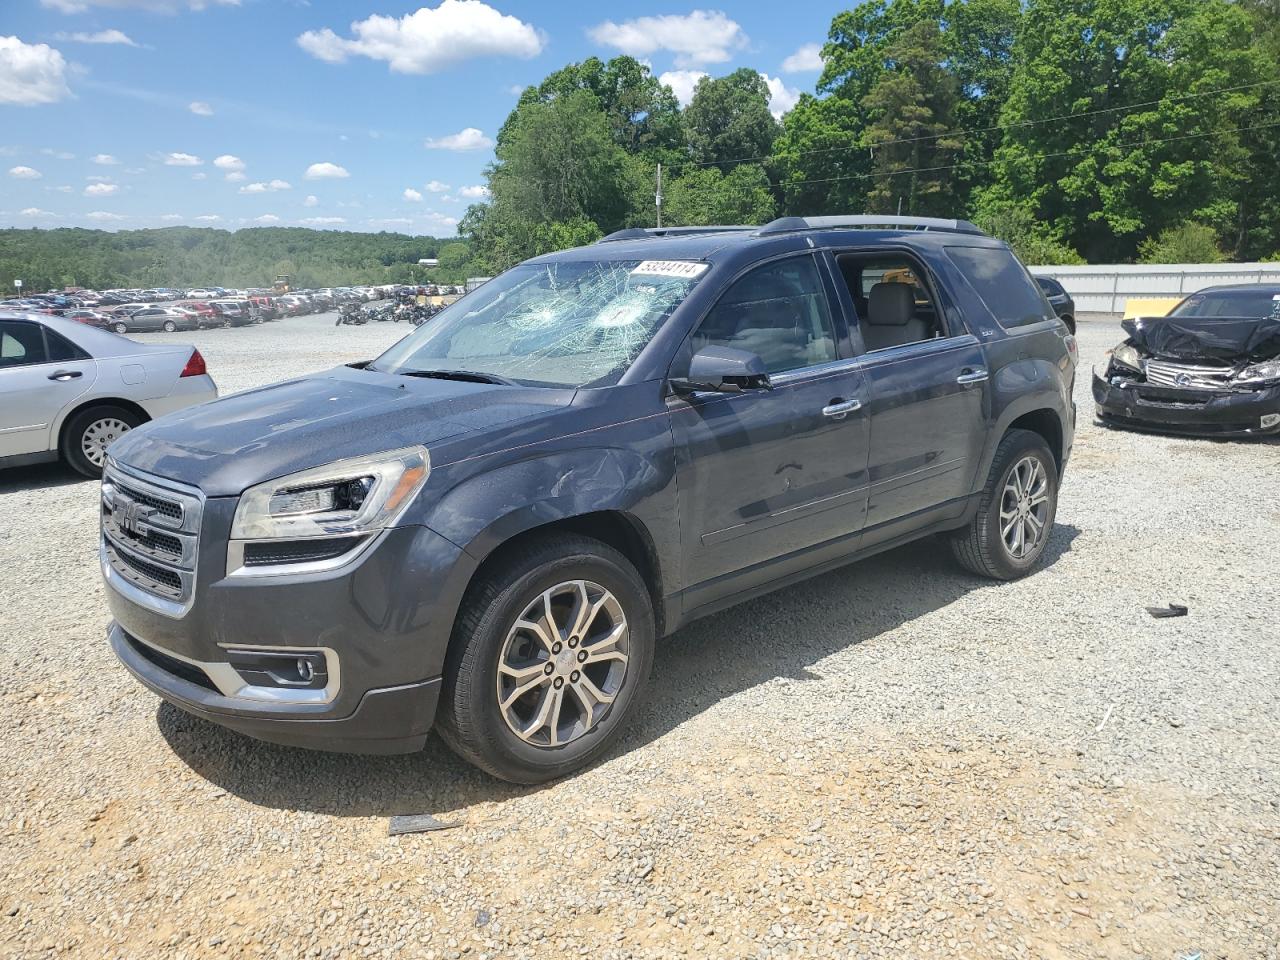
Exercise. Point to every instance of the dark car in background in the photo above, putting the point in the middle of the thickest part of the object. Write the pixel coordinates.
(236, 313)
(487, 528)
(1061, 301)
(1210, 368)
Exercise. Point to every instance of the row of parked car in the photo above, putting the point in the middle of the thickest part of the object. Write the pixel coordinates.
(142, 311)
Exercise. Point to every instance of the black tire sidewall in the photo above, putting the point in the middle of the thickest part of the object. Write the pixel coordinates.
(72, 449)
(505, 753)
(1026, 444)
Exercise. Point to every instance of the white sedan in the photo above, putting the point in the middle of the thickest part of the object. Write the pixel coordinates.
(68, 390)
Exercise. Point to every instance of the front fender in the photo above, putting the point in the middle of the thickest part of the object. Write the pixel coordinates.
(488, 508)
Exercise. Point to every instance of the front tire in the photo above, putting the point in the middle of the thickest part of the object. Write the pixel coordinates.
(1014, 520)
(88, 434)
(548, 661)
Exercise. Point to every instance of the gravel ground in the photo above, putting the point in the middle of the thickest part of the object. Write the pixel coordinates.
(895, 759)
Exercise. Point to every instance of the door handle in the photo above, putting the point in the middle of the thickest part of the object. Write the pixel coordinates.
(65, 375)
(838, 409)
(972, 375)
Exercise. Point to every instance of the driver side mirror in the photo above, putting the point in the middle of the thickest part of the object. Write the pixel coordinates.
(723, 370)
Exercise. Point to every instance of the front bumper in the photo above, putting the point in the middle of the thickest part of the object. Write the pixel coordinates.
(1195, 412)
(380, 623)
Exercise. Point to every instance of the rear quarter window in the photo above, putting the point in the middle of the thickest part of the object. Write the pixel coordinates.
(1003, 284)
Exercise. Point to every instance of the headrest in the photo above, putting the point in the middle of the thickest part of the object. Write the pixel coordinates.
(890, 305)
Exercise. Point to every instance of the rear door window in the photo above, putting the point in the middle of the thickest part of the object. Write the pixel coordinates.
(1003, 284)
(21, 345)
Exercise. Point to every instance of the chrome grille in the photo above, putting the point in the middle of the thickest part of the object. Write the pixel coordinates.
(1163, 373)
(150, 539)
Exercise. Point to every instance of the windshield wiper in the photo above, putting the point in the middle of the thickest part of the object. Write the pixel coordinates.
(469, 376)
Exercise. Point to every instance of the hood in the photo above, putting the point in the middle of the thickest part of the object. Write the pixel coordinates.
(230, 444)
(1206, 338)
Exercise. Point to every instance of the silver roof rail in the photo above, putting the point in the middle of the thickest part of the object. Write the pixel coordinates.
(647, 233)
(869, 221)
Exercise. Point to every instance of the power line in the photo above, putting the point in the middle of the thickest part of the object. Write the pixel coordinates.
(1042, 156)
(1006, 126)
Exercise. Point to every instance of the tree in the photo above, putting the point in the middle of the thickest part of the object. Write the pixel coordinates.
(1189, 243)
(911, 110)
(704, 195)
(728, 119)
(1145, 140)
(557, 163)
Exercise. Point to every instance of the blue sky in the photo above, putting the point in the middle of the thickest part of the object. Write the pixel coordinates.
(365, 115)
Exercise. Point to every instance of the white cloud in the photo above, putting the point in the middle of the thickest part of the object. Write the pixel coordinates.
(31, 73)
(65, 188)
(200, 176)
(200, 108)
(311, 201)
(235, 176)
(468, 139)
(101, 189)
(326, 171)
(808, 58)
(478, 192)
(389, 222)
(323, 221)
(269, 187)
(98, 179)
(700, 37)
(435, 186)
(170, 217)
(103, 215)
(440, 221)
(182, 160)
(412, 194)
(228, 162)
(429, 39)
(105, 160)
(155, 6)
(781, 97)
(516, 89)
(209, 218)
(102, 36)
(682, 83)
(267, 218)
(25, 173)
(36, 212)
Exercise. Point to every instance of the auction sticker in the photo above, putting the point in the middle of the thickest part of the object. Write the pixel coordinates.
(669, 268)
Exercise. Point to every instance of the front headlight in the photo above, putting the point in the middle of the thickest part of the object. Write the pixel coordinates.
(1126, 355)
(1259, 372)
(354, 496)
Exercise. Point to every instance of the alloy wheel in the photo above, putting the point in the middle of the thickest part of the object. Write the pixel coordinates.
(563, 663)
(1024, 507)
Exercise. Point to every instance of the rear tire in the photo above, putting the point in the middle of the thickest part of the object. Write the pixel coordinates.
(88, 433)
(592, 587)
(1014, 520)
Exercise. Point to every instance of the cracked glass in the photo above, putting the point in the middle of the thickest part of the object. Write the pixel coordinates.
(562, 324)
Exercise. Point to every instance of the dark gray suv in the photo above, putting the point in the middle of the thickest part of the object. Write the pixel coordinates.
(487, 528)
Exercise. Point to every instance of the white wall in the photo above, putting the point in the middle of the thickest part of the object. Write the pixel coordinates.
(1105, 288)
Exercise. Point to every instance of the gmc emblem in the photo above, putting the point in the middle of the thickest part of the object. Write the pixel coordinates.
(129, 515)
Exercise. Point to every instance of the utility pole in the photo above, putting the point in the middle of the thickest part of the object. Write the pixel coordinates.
(658, 196)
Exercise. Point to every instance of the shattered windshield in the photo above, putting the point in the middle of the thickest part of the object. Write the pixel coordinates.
(564, 324)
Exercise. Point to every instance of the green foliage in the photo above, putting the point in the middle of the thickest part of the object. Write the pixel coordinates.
(1030, 239)
(729, 119)
(705, 195)
(188, 257)
(1189, 243)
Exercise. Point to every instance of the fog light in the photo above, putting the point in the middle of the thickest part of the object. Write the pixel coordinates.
(280, 668)
(1269, 420)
